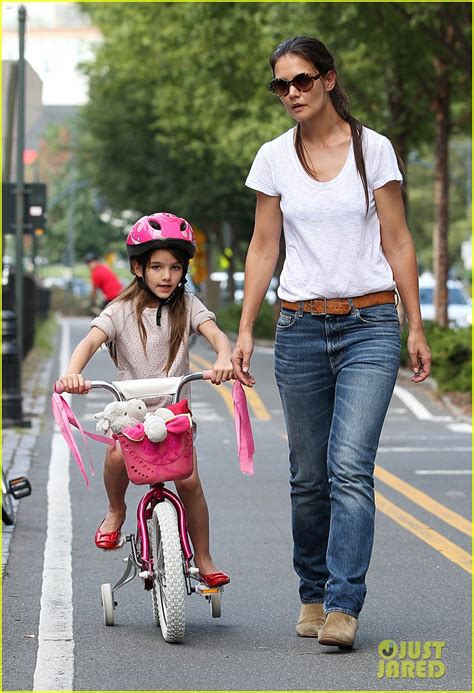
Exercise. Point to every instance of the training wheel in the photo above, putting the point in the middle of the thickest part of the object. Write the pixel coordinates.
(108, 604)
(215, 600)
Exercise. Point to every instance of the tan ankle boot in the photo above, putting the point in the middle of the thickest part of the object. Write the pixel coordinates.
(310, 620)
(339, 629)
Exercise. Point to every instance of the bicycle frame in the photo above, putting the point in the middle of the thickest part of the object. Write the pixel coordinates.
(158, 494)
(139, 560)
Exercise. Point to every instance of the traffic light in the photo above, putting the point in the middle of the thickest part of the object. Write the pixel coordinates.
(35, 208)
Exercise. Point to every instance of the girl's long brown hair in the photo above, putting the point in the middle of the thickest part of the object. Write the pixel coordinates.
(142, 299)
(318, 55)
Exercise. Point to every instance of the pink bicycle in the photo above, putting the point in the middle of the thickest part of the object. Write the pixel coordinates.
(160, 552)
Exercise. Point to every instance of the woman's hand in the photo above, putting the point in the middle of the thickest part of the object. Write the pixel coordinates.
(420, 355)
(241, 359)
(74, 383)
(222, 370)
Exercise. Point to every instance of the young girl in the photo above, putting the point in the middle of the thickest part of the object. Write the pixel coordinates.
(148, 328)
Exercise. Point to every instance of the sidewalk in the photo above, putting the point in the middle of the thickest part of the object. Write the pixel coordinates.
(18, 444)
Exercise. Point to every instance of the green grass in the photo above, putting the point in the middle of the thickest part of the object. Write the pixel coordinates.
(45, 332)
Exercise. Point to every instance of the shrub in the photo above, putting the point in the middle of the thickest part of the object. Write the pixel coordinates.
(228, 319)
(452, 353)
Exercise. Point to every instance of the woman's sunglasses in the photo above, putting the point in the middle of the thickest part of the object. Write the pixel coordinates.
(302, 82)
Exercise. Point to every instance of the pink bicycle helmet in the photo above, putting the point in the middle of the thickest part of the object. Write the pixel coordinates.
(160, 231)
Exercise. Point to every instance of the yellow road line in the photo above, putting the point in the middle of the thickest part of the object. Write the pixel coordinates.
(424, 501)
(224, 392)
(450, 550)
(253, 398)
(447, 548)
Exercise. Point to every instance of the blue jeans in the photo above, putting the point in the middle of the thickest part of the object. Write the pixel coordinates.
(336, 376)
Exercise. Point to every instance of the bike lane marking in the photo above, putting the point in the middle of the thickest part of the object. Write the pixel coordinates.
(437, 541)
(424, 501)
(434, 539)
(55, 657)
(255, 401)
(416, 407)
(224, 392)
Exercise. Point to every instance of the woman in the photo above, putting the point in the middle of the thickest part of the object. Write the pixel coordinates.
(334, 187)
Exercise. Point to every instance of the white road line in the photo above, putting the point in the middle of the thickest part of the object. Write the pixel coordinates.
(205, 412)
(416, 436)
(443, 471)
(440, 449)
(416, 407)
(55, 658)
(460, 427)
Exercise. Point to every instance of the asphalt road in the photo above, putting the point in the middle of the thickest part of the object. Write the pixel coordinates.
(419, 583)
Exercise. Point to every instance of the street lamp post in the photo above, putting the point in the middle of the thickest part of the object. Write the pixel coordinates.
(12, 323)
(20, 185)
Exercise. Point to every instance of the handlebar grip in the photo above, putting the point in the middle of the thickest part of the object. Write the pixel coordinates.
(206, 375)
(59, 387)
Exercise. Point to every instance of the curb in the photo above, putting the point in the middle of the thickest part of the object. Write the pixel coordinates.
(18, 445)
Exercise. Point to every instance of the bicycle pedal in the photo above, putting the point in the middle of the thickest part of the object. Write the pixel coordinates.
(20, 487)
(205, 590)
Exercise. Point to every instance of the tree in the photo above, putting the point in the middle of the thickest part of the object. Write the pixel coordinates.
(178, 112)
(69, 193)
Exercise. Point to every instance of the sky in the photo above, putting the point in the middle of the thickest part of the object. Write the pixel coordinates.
(58, 37)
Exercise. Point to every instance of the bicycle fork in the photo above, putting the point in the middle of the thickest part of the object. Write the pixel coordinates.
(140, 562)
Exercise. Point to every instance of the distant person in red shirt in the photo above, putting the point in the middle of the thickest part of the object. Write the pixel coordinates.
(102, 278)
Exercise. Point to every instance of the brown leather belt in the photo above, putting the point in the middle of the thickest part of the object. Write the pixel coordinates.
(340, 306)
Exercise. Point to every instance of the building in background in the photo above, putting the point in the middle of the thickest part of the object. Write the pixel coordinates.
(58, 37)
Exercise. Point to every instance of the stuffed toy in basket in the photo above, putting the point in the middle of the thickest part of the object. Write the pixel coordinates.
(170, 458)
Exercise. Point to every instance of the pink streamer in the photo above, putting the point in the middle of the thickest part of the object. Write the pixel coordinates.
(65, 418)
(243, 429)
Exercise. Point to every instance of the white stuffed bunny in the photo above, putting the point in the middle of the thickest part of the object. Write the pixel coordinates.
(116, 415)
(165, 413)
(155, 426)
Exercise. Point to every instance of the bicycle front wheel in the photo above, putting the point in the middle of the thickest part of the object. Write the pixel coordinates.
(7, 505)
(169, 584)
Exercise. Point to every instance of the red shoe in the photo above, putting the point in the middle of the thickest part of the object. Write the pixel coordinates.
(109, 541)
(215, 579)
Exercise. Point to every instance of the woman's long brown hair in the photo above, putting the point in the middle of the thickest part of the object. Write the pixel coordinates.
(142, 299)
(318, 55)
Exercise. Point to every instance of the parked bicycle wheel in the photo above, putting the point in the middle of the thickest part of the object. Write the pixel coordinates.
(7, 505)
(168, 572)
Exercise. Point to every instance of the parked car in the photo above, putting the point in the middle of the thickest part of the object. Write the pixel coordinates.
(459, 301)
(223, 277)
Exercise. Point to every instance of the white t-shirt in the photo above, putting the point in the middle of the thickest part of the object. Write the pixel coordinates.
(333, 249)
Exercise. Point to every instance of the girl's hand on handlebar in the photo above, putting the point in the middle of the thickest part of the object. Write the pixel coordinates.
(222, 371)
(241, 359)
(74, 383)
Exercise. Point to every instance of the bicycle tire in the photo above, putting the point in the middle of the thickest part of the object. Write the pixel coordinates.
(154, 589)
(168, 572)
(8, 515)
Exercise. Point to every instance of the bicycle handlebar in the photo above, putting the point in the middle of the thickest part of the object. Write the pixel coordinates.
(149, 387)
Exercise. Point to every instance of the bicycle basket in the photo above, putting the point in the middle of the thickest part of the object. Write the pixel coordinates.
(153, 463)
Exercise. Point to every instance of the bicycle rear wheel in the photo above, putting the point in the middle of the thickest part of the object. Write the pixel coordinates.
(169, 583)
